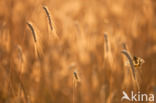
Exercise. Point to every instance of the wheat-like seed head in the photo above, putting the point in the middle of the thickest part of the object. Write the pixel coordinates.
(33, 31)
(130, 61)
(49, 17)
(76, 76)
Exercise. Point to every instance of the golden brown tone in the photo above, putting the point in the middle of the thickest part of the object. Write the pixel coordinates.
(43, 42)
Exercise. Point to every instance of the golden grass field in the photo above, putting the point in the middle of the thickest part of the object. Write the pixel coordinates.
(71, 53)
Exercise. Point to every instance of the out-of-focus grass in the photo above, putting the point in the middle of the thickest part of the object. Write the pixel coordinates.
(80, 26)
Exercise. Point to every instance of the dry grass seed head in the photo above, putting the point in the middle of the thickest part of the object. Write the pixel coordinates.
(132, 67)
(49, 17)
(130, 61)
(76, 76)
(33, 31)
(37, 46)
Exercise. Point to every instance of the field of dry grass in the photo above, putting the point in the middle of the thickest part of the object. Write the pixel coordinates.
(69, 51)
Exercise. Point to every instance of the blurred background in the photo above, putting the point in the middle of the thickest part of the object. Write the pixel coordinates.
(76, 44)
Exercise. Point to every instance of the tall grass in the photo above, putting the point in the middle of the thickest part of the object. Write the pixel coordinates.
(91, 34)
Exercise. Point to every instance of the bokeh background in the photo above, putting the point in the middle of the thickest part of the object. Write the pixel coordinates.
(81, 47)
